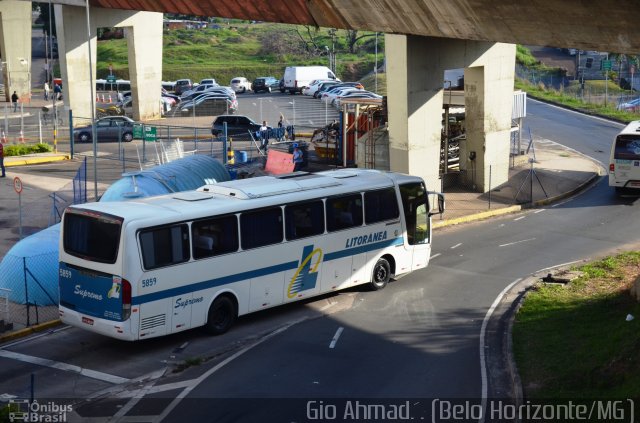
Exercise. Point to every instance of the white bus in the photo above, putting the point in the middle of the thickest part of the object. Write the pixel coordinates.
(150, 267)
(624, 161)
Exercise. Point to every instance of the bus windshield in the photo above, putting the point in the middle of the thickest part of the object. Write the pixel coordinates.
(627, 147)
(92, 236)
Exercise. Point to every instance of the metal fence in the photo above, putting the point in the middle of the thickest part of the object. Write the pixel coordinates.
(571, 87)
(30, 301)
(32, 125)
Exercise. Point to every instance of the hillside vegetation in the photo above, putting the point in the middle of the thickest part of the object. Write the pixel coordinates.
(250, 50)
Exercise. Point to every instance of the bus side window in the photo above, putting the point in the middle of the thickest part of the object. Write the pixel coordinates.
(164, 246)
(305, 219)
(215, 236)
(344, 212)
(260, 228)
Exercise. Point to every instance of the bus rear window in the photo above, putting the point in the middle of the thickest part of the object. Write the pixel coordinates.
(627, 147)
(93, 237)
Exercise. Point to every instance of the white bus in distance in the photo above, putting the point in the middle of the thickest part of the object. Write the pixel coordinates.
(624, 160)
(159, 265)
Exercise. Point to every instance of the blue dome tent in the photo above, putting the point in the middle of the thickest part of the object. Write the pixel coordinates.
(30, 268)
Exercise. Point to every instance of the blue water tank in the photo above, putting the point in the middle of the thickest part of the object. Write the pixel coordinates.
(184, 174)
(30, 268)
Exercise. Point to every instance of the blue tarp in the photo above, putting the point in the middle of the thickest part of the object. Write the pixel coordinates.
(38, 253)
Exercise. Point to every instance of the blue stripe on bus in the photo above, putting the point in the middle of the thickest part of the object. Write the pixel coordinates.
(168, 293)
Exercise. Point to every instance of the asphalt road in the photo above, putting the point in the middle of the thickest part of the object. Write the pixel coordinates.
(417, 339)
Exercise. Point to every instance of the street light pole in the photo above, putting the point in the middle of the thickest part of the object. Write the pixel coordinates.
(375, 66)
(93, 108)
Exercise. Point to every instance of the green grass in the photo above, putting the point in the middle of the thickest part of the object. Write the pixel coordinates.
(22, 149)
(242, 49)
(574, 341)
(567, 98)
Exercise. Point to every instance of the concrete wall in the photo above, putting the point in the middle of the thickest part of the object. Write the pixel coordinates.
(415, 79)
(15, 47)
(144, 36)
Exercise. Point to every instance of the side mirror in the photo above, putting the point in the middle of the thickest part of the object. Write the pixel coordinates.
(439, 200)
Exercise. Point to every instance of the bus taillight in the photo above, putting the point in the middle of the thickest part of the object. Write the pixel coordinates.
(612, 167)
(126, 299)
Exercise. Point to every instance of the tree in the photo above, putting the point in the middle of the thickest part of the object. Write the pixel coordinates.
(353, 38)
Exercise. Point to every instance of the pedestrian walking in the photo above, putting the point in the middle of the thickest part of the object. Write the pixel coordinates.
(57, 91)
(14, 100)
(2, 160)
(298, 158)
(46, 90)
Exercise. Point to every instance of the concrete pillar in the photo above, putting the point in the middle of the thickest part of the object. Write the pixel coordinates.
(415, 81)
(144, 37)
(488, 82)
(15, 47)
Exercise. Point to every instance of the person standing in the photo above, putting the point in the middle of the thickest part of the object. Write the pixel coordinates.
(264, 134)
(298, 158)
(2, 160)
(46, 90)
(57, 91)
(14, 100)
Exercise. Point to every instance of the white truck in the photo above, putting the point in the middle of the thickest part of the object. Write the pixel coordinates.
(298, 77)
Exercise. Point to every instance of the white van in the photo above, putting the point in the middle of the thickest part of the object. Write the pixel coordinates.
(624, 161)
(298, 77)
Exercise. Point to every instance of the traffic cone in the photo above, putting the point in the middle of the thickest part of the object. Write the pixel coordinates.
(21, 137)
(97, 98)
(4, 137)
(109, 98)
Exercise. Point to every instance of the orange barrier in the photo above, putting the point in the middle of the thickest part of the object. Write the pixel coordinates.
(279, 162)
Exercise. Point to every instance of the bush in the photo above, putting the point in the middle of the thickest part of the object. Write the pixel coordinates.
(21, 150)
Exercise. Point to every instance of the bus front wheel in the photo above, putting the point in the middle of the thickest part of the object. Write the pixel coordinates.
(381, 275)
(222, 315)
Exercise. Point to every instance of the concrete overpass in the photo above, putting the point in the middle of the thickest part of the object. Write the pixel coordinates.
(424, 37)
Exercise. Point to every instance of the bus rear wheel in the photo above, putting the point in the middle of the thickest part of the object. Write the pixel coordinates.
(381, 275)
(222, 315)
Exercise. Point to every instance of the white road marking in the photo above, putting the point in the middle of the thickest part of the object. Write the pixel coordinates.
(435, 255)
(483, 359)
(516, 242)
(93, 374)
(326, 306)
(538, 211)
(519, 218)
(558, 265)
(195, 382)
(334, 341)
(456, 246)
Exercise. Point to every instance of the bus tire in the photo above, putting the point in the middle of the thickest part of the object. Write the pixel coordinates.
(381, 275)
(222, 315)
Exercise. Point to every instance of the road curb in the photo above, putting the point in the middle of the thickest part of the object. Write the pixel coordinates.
(28, 331)
(10, 162)
(476, 216)
(600, 171)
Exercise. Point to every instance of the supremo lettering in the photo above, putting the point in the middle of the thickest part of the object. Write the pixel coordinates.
(87, 294)
(366, 239)
(180, 303)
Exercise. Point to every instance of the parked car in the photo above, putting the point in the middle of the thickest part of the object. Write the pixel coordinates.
(240, 84)
(315, 84)
(330, 95)
(110, 128)
(265, 83)
(211, 81)
(238, 127)
(182, 86)
(196, 90)
(324, 86)
(630, 106)
(298, 77)
(211, 105)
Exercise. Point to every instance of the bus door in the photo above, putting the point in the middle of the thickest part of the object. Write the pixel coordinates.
(415, 206)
